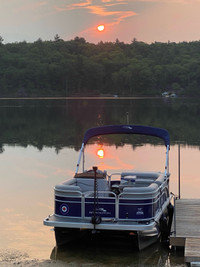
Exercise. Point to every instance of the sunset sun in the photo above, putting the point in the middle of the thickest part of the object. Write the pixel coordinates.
(100, 28)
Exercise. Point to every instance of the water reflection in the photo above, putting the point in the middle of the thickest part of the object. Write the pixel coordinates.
(62, 123)
(28, 177)
(126, 158)
(121, 254)
(39, 141)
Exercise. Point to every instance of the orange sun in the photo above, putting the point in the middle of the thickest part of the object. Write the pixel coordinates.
(100, 153)
(101, 28)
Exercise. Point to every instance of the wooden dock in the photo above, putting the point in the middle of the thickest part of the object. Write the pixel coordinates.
(186, 228)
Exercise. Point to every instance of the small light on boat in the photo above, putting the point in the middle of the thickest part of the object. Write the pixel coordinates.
(132, 233)
(100, 153)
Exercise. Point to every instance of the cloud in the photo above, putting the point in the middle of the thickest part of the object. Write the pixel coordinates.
(74, 5)
(102, 8)
(111, 1)
(101, 11)
(168, 1)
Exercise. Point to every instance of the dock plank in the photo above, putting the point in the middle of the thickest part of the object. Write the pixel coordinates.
(192, 250)
(186, 228)
(187, 217)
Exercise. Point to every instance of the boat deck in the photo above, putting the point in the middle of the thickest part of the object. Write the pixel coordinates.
(186, 228)
(56, 221)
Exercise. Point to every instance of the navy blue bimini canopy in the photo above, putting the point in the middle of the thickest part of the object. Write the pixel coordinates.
(128, 129)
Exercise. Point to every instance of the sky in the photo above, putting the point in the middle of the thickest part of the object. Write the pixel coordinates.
(146, 20)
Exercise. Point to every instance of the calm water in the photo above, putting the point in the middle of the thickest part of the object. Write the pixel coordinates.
(39, 145)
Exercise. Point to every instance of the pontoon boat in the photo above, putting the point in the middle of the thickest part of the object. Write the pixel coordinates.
(130, 203)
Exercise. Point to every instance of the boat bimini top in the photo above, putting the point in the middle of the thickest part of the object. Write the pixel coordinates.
(127, 129)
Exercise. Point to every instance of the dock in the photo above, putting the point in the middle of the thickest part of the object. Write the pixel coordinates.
(185, 230)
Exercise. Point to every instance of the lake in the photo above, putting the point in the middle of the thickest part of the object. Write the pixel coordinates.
(39, 145)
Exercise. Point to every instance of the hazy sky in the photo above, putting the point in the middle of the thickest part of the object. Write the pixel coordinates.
(145, 20)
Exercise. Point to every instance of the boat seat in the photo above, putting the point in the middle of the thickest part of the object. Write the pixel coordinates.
(160, 180)
(69, 188)
(65, 187)
(143, 175)
(143, 182)
(88, 184)
(128, 180)
(139, 192)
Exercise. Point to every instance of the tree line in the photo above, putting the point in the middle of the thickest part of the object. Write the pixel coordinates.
(79, 68)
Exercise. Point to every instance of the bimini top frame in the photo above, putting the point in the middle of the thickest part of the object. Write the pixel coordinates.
(127, 129)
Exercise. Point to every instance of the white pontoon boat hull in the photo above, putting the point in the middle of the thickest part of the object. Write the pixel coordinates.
(135, 202)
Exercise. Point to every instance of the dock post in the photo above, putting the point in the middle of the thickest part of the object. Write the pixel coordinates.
(95, 196)
(127, 117)
(95, 218)
(174, 216)
(179, 171)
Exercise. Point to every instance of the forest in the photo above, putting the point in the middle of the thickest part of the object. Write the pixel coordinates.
(79, 68)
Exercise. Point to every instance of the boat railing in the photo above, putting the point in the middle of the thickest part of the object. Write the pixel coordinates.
(134, 196)
(150, 203)
(103, 194)
(135, 206)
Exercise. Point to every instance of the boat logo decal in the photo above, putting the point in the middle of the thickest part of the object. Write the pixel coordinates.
(64, 209)
(128, 127)
(100, 211)
(140, 211)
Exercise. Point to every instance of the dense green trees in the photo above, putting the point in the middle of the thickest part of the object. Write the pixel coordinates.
(79, 68)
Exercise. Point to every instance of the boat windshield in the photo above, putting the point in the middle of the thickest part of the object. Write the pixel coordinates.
(125, 156)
